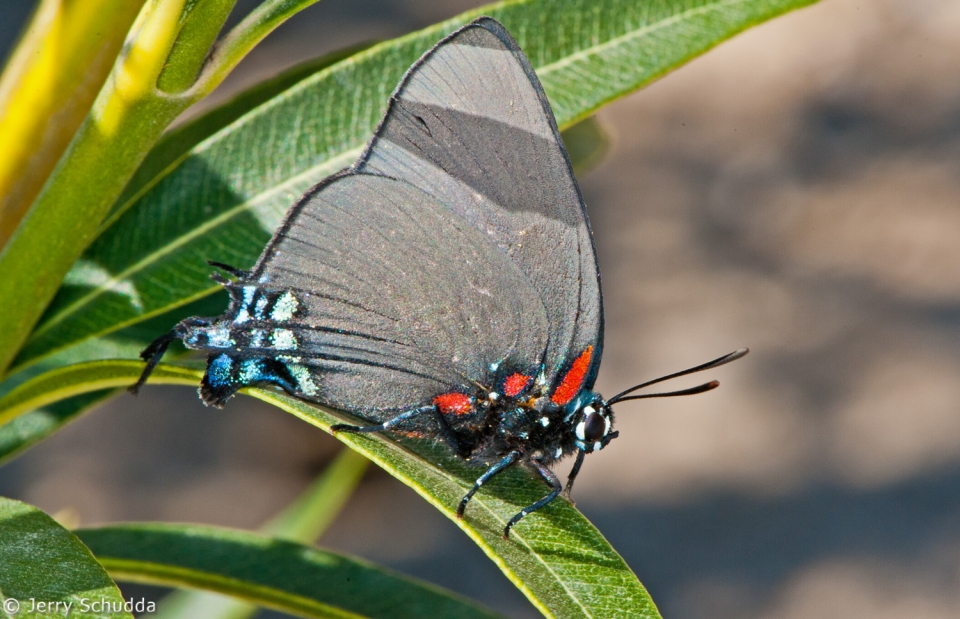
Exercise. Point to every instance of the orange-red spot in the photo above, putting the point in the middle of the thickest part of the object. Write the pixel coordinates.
(453, 403)
(515, 384)
(570, 386)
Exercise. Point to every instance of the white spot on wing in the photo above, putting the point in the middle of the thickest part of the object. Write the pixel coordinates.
(261, 305)
(248, 292)
(283, 339)
(303, 378)
(285, 307)
(219, 337)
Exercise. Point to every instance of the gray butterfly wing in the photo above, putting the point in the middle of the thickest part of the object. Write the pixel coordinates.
(400, 299)
(470, 126)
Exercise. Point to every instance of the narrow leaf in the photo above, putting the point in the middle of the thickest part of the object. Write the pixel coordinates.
(31, 427)
(303, 521)
(225, 199)
(45, 571)
(275, 573)
(554, 556)
(199, 26)
(176, 143)
(125, 121)
(261, 21)
(81, 378)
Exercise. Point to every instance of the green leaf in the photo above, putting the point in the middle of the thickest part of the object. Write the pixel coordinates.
(200, 23)
(303, 521)
(42, 563)
(276, 573)
(126, 120)
(72, 380)
(225, 199)
(127, 343)
(554, 556)
(176, 143)
(31, 427)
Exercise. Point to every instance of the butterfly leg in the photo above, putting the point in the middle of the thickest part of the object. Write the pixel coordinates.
(549, 477)
(450, 436)
(573, 474)
(493, 470)
(387, 425)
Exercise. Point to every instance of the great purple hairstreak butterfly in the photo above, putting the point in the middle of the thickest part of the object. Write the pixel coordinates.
(444, 285)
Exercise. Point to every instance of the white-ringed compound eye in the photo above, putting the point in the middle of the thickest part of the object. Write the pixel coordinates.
(594, 427)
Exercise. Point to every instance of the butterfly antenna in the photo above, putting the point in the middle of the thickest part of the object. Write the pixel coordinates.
(694, 390)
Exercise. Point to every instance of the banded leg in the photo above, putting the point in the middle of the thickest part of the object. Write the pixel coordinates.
(387, 425)
(573, 474)
(446, 432)
(493, 470)
(549, 477)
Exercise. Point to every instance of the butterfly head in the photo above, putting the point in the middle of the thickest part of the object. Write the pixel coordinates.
(591, 422)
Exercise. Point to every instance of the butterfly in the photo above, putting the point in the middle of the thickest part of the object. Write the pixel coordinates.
(444, 285)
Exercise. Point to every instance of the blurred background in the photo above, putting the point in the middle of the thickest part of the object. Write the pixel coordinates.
(796, 190)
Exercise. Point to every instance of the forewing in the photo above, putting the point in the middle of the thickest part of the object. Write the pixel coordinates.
(470, 125)
(401, 298)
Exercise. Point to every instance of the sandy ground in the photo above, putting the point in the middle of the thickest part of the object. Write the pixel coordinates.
(795, 190)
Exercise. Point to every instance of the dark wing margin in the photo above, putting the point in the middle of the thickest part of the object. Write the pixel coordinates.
(470, 125)
(401, 299)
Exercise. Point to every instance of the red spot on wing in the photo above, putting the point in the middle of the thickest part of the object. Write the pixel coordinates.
(454, 403)
(572, 382)
(515, 384)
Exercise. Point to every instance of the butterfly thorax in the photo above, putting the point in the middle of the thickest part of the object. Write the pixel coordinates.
(528, 423)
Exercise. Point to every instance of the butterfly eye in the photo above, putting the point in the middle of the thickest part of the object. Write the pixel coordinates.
(595, 427)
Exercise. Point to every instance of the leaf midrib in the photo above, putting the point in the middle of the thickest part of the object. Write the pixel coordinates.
(588, 52)
(150, 572)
